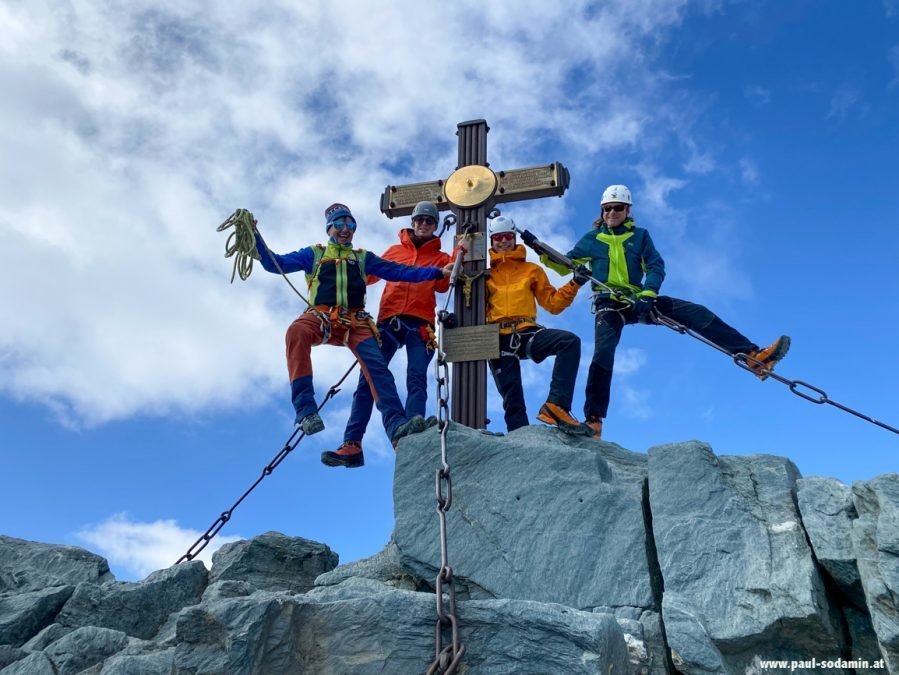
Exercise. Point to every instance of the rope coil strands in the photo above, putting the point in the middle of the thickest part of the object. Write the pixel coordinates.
(241, 243)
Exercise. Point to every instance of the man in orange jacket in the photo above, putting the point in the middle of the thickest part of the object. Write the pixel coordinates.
(514, 288)
(405, 319)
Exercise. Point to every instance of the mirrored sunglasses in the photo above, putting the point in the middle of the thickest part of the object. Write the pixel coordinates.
(504, 236)
(344, 224)
(427, 220)
(617, 208)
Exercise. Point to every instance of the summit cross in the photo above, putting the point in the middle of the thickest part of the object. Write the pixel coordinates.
(472, 192)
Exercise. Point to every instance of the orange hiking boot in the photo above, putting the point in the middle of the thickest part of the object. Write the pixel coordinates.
(595, 426)
(768, 357)
(349, 455)
(557, 416)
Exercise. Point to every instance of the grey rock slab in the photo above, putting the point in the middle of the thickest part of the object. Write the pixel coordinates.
(46, 637)
(10, 654)
(737, 568)
(83, 648)
(827, 514)
(536, 515)
(385, 566)
(273, 562)
(875, 535)
(36, 663)
(153, 663)
(24, 615)
(138, 609)
(364, 626)
(32, 566)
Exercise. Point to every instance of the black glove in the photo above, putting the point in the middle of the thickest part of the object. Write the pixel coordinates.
(642, 307)
(581, 275)
(528, 238)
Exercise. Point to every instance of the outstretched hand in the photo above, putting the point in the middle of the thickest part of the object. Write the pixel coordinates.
(643, 307)
(581, 275)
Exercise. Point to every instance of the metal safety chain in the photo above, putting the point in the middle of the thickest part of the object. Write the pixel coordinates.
(446, 658)
(242, 244)
(746, 362)
(289, 445)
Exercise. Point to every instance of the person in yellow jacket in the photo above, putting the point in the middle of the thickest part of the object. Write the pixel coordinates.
(514, 289)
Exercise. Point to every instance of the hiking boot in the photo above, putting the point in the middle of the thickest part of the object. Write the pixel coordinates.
(312, 424)
(768, 357)
(413, 426)
(595, 426)
(349, 455)
(557, 416)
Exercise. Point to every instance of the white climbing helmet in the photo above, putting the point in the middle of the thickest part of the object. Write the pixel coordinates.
(618, 194)
(500, 224)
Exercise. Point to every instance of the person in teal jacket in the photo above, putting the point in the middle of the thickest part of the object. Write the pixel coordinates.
(623, 257)
(336, 279)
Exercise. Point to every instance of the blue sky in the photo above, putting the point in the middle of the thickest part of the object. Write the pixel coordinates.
(140, 393)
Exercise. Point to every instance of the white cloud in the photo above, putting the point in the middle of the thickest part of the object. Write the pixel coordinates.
(759, 96)
(749, 172)
(142, 548)
(842, 102)
(893, 58)
(136, 128)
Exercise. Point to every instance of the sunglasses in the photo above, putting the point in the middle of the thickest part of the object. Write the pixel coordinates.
(427, 220)
(504, 236)
(344, 224)
(617, 208)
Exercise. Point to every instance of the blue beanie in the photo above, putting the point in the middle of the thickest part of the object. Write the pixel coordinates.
(336, 211)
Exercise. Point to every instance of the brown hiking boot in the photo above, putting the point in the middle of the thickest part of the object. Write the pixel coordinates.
(557, 416)
(349, 455)
(768, 357)
(595, 426)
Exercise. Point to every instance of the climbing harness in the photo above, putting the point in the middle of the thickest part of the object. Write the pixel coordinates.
(446, 658)
(244, 247)
(744, 361)
(289, 445)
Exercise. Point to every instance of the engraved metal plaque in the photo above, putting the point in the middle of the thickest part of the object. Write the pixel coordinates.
(477, 248)
(471, 343)
(470, 186)
(399, 200)
(548, 180)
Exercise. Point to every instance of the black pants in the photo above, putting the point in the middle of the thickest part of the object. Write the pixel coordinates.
(535, 344)
(611, 319)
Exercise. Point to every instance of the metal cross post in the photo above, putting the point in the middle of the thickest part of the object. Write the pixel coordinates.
(471, 192)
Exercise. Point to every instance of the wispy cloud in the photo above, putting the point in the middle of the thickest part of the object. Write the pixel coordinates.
(893, 58)
(891, 7)
(759, 96)
(844, 99)
(141, 548)
(749, 172)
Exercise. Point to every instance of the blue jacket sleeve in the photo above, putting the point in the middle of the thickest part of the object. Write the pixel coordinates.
(298, 261)
(581, 249)
(392, 271)
(654, 264)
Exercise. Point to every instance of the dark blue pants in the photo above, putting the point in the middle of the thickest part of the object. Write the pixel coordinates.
(536, 344)
(611, 319)
(402, 333)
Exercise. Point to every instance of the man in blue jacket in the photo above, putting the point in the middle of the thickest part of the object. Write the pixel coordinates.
(336, 276)
(623, 257)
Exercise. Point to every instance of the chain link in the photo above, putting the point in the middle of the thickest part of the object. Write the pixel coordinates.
(446, 658)
(289, 445)
(751, 364)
